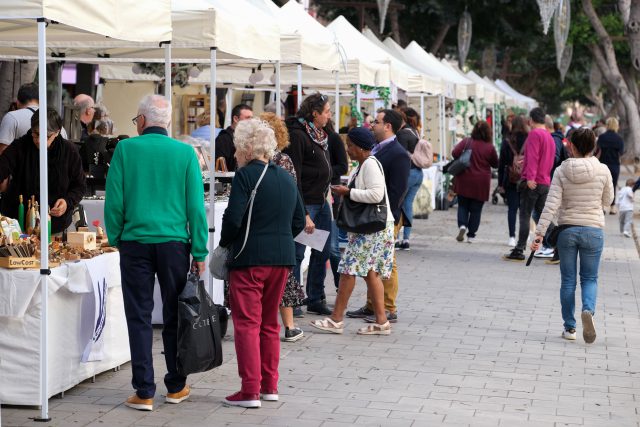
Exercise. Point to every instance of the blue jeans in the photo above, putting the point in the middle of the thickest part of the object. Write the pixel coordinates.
(321, 217)
(513, 201)
(469, 214)
(588, 243)
(416, 176)
(335, 253)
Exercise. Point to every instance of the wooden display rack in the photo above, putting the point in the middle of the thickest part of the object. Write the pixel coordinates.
(192, 107)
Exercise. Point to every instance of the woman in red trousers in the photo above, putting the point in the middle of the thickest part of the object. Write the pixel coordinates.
(261, 258)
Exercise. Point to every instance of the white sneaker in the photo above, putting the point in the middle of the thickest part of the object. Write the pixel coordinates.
(626, 234)
(460, 237)
(544, 253)
(512, 242)
(471, 239)
(569, 335)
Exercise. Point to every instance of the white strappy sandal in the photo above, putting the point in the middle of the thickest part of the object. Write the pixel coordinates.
(328, 325)
(376, 329)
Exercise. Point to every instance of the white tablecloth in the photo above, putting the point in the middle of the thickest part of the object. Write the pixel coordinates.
(71, 322)
(95, 211)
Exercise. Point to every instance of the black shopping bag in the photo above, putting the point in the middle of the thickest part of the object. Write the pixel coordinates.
(200, 324)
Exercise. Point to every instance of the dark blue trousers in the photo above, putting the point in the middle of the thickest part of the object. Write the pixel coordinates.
(139, 264)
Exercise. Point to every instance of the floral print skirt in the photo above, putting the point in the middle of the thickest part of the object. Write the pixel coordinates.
(365, 252)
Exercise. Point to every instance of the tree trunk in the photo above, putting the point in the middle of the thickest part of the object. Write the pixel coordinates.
(605, 57)
(14, 74)
(442, 34)
(633, 32)
(506, 64)
(395, 26)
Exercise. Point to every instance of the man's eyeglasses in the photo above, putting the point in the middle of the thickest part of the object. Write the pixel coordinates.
(135, 119)
(324, 98)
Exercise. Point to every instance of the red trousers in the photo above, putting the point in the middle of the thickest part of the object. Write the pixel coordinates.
(255, 294)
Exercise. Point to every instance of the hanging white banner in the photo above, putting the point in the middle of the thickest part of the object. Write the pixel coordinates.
(94, 350)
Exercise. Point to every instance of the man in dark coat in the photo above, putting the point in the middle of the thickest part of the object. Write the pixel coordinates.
(396, 165)
(224, 141)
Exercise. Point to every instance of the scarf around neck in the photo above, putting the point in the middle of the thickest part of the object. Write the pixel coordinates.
(317, 135)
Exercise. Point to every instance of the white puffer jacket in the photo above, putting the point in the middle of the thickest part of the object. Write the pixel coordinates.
(580, 190)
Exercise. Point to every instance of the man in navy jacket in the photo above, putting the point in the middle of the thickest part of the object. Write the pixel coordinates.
(396, 165)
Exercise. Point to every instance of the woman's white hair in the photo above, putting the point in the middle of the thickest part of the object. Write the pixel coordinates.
(156, 110)
(255, 136)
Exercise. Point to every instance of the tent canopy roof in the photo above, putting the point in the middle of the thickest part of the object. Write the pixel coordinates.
(419, 81)
(237, 29)
(96, 22)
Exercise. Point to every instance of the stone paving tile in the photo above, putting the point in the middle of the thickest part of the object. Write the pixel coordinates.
(478, 344)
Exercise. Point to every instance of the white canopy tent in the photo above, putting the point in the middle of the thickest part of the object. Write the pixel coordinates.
(523, 101)
(490, 94)
(23, 25)
(419, 82)
(417, 55)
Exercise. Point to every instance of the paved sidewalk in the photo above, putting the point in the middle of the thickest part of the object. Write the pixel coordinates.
(478, 343)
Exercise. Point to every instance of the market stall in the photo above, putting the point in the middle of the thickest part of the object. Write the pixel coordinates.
(72, 317)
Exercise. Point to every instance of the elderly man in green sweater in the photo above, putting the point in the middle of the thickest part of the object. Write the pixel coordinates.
(155, 215)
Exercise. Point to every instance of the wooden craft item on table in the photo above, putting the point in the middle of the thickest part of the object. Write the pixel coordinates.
(221, 165)
(85, 240)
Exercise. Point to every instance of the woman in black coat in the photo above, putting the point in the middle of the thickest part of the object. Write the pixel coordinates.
(21, 162)
(309, 152)
(610, 149)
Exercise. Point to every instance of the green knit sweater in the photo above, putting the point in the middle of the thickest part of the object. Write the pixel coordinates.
(155, 193)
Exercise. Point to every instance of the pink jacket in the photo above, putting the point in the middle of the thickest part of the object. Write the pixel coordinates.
(539, 155)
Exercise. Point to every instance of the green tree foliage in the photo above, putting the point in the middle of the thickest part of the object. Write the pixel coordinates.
(526, 58)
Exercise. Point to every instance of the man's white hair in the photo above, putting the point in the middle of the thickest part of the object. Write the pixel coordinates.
(84, 102)
(156, 111)
(257, 135)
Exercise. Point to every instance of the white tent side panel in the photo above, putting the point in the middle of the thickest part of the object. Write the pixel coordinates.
(117, 19)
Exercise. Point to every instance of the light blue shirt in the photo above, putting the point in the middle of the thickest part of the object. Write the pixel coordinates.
(204, 132)
(380, 145)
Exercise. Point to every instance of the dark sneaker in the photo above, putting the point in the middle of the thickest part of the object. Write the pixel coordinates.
(397, 244)
(391, 317)
(514, 255)
(588, 327)
(555, 260)
(319, 308)
(298, 313)
(360, 313)
(293, 334)
(404, 246)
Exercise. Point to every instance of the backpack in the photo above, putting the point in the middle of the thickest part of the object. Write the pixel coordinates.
(422, 155)
(515, 168)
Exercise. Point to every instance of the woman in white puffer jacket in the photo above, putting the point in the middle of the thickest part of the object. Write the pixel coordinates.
(580, 191)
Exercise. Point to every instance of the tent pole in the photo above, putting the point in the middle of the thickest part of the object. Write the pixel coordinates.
(278, 96)
(299, 97)
(44, 213)
(443, 145)
(229, 101)
(422, 114)
(358, 103)
(337, 106)
(212, 164)
(167, 77)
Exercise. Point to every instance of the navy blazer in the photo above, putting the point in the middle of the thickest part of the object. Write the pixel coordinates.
(396, 164)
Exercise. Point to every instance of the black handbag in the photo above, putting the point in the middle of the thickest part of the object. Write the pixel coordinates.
(552, 239)
(362, 218)
(456, 166)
